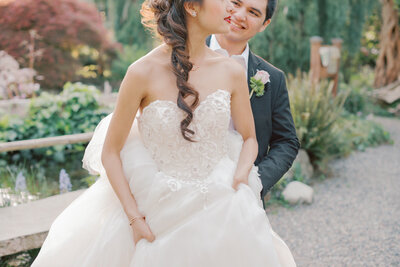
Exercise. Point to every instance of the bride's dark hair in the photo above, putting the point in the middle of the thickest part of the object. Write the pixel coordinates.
(168, 19)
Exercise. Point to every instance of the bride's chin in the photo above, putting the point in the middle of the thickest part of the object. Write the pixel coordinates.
(223, 30)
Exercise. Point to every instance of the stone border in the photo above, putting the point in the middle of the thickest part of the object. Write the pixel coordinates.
(25, 226)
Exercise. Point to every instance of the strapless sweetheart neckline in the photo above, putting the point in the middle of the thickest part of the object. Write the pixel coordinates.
(183, 188)
(175, 104)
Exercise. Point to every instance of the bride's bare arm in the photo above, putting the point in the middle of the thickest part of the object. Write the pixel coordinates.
(131, 93)
(128, 101)
(242, 117)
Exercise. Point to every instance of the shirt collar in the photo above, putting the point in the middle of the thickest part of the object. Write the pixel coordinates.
(214, 45)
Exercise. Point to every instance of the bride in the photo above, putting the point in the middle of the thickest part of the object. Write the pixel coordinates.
(177, 187)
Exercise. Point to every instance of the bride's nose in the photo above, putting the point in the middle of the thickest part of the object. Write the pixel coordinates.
(229, 7)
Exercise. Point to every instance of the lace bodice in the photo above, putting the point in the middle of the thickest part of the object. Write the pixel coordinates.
(159, 125)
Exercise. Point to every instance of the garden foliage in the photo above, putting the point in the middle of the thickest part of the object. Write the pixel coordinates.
(286, 41)
(315, 112)
(49, 35)
(75, 110)
(325, 129)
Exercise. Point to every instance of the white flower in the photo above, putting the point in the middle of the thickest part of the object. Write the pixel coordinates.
(258, 81)
(263, 76)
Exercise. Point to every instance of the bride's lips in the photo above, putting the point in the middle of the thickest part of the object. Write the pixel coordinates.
(228, 19)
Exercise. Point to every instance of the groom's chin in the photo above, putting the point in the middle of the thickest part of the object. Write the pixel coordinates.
(233, 36)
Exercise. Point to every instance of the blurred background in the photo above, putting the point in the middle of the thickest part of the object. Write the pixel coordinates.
(61, 63)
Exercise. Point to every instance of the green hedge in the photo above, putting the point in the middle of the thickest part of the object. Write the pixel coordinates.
(74, 110)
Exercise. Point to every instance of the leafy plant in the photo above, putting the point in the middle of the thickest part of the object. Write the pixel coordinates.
(360, 87)
(360, 100)
(359, 133)
(75, 110)
(315, 111)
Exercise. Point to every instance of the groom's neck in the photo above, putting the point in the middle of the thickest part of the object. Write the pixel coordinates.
(233, 48)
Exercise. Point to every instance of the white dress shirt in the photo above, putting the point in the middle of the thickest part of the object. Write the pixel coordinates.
(243, 59)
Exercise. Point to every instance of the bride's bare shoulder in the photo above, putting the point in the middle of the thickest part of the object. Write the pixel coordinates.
(231, 71)
(151, 63)
(226, 64)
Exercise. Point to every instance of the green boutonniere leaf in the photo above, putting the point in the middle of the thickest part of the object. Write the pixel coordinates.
(257, 87)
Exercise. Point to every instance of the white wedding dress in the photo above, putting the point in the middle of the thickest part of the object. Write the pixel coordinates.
(185, 191)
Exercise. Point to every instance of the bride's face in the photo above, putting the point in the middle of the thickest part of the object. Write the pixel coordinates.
(214, 16)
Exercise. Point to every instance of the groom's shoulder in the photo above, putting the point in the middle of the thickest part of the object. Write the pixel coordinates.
(271, 69)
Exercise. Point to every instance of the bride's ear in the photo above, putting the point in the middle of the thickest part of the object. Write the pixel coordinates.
(191, 8)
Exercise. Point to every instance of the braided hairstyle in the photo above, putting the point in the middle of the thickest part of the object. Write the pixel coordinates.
(168, 19)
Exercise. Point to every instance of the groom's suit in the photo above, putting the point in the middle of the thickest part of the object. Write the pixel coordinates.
(276, 135)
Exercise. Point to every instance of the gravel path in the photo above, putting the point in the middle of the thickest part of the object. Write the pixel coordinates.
(355, 217)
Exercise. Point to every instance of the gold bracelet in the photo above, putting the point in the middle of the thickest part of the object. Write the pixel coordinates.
(132, 220)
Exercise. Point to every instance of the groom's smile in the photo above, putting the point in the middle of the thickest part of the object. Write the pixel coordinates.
(236, 26)
(248, 18)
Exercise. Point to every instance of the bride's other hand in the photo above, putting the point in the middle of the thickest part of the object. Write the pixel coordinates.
(142, 230)
(239, 180)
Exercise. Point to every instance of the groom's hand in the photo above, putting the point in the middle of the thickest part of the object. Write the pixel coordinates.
(239, 180)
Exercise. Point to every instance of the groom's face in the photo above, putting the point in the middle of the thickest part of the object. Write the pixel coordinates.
(248, 19)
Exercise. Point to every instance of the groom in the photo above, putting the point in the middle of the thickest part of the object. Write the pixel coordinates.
(276, 135)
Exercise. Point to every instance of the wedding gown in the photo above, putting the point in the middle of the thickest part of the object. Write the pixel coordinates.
(185, 191)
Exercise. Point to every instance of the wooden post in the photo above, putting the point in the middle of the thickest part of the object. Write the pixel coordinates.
(317, 70)
(315, 61)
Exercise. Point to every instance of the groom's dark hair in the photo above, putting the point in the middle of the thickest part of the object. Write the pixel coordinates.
(271, 6)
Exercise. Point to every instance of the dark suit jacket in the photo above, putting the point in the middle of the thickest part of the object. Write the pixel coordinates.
(276, 135)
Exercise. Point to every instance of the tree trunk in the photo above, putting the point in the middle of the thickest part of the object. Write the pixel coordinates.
(388, 63)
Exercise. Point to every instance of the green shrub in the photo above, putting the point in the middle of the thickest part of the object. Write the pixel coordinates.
(315, 112)
(360, 100)
(359, 133)
(75, 110)
(129, 55)
(360, 88)
(357, 100)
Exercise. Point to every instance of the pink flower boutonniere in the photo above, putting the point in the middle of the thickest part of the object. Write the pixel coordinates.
(258, 82)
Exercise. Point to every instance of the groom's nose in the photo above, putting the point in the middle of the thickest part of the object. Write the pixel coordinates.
(240, 14)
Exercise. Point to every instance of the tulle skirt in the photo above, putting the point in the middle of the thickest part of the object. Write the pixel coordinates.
(219, 227)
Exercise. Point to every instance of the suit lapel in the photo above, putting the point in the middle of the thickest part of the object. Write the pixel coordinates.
(208, 40)
(253, 64)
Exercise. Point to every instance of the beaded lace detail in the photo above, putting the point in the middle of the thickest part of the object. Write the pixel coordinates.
(187, 162)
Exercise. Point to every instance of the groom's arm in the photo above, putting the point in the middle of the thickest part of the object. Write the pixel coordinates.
(284, 143)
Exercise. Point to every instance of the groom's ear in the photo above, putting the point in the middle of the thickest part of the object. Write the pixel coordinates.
(265, 25)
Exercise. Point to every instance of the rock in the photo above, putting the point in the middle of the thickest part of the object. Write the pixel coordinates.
(306, 168)
(297, 192)
(389, 93)
(303, 160)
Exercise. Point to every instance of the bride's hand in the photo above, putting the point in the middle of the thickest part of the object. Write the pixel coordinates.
(239, 180)
(142, 230)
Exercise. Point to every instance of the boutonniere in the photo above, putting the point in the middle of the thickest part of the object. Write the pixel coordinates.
(258, 82)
